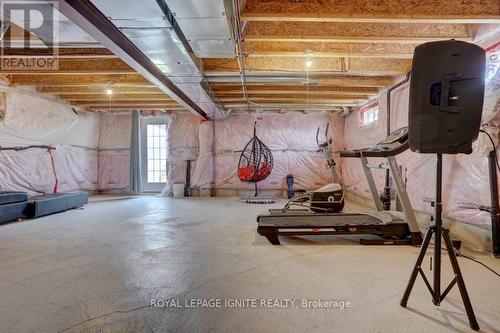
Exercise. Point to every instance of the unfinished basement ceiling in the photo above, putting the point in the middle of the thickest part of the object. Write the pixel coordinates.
(230, 55)
(86, 71)
(355, 49)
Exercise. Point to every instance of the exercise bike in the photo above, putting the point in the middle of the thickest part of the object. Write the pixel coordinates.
(329, 198)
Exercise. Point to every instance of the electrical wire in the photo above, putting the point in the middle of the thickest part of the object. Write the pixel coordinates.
(459, 254)
(19, 148)
(494, 147)
(482, 264)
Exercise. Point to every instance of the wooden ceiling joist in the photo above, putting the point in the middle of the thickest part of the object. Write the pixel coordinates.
(61, 53)
(293, 89)
(396, 11)
(354, 32)
(295, 105)
(78, 66)
(100, 89)
(301, 95)
(125, 108)
(135, 104)
(284, 101)
(373, 66)
(337, 80)
(329, 50)
(291, 93)
(79, 80)
(115, 97)
(293, 100)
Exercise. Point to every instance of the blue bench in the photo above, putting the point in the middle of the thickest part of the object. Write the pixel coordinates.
(13, 206)
(47, 204)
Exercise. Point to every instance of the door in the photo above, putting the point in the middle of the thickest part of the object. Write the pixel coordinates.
(154, 166)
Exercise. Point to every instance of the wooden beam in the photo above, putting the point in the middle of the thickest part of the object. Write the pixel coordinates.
(374, 66)
(62, 53)
(329, 50)
(178, 107)
(292, 100)
(295, 103)
(220, 90)
(301, 95)
(75, 67)
(395, 11)
(79, 80)
(115, 97)
(125, 102)
(92, 90)
(354, 32)
(136, 104)
(282, 109)
(299, 81)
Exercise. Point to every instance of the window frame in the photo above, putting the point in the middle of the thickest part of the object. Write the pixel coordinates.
(365, 111)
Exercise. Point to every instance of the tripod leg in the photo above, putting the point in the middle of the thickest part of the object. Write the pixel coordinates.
(420, 258)
(460, 281)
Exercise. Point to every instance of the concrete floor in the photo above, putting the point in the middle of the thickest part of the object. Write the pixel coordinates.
(97, 269)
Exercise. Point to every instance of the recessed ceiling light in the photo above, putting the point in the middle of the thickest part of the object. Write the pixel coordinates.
(109, 91)
(309, 63)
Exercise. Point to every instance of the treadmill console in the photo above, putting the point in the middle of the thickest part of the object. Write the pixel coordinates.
(395, 139)
(394, 144)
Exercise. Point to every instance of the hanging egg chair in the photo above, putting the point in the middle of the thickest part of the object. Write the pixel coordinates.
(255, 165)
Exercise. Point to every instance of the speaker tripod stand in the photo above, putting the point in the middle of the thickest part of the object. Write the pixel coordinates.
(439, 231)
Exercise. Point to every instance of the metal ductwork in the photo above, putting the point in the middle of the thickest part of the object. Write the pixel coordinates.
(158, 31)
(206, 26)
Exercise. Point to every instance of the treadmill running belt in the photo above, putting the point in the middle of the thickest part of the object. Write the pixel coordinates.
(321, 220)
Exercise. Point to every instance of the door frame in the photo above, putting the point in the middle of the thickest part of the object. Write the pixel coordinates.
(152, 120)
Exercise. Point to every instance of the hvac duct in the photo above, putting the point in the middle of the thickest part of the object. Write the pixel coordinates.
(155, 30)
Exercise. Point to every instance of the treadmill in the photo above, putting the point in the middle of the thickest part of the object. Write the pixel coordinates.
(389, 226)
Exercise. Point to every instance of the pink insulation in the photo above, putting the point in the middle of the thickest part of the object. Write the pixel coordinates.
(183, 145)
(291, 138)
(31, 170)
(33, 120)
(114, 151)
(204, 168)
(465, 177)
(182, 136)
(114, 170)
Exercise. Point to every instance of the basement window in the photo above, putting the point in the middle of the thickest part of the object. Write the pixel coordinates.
(368, 115)
(157, 153)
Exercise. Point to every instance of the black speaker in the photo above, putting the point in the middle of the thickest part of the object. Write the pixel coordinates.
(446, 97)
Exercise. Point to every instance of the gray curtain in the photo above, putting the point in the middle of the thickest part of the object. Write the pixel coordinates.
(135, 153)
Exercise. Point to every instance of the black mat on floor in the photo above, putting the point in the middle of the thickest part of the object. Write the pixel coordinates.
(42, 205)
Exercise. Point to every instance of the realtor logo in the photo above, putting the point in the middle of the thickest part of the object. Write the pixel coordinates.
(29, 35)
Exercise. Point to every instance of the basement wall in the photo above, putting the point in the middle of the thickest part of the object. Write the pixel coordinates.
(465, 177)
(27, 118)
(114, 152)
(215, 151)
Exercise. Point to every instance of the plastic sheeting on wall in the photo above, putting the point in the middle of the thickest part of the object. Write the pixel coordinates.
(465, 177)
(291, 137)
(182, 137)
(32, 119)
(114, 170)
(292, 140)
(182, 145)
(114, 151)
(204, 169)
(31, 170)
